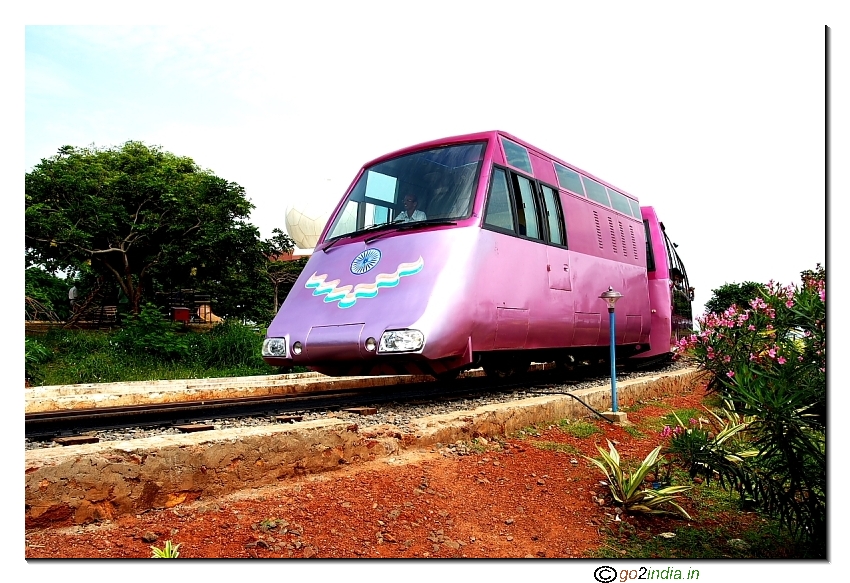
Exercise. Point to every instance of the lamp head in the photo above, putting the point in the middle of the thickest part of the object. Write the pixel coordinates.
(610, 297)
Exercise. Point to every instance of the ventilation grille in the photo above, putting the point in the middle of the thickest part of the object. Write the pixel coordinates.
(634, 242)
(623, 239)
(598, 229)
(613, 236)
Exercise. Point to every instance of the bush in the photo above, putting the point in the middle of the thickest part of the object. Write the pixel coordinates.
(229, 344)
(768, 362)
(149, 332)
(35, 354)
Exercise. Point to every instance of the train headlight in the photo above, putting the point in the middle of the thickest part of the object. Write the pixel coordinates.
(401, 341)
(297, 348)
(371, 344)
(274, 347)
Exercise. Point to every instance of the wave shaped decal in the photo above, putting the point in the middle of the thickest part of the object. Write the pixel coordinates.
(348, 296)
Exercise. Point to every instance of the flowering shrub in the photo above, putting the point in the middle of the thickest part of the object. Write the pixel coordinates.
(768, 362)
(707, 446)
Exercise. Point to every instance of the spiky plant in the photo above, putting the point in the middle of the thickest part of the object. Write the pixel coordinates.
(626, 487)
(169, 552)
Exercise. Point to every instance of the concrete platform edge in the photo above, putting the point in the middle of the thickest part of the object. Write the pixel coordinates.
(85, 483)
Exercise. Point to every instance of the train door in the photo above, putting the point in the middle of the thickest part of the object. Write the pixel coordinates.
(558, 258)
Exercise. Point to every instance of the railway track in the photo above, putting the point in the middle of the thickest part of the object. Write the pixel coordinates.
(193, 410)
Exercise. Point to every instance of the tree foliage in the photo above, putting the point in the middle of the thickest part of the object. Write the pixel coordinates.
(149, 221)
(733, 294)
(50, 291)
(278, 271)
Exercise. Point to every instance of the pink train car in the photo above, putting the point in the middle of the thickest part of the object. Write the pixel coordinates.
(480, 250)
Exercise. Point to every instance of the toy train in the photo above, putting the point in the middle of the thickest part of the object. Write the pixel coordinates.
(480, 250)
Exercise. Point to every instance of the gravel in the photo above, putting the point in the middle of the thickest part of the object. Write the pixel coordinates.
(393, 413)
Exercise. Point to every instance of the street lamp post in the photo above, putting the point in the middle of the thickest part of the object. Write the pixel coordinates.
(611, 298)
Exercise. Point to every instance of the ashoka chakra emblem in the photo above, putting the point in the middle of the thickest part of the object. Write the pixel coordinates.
(365, 261)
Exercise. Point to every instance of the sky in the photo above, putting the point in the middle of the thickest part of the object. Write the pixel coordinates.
(719, 124)
(717, 118)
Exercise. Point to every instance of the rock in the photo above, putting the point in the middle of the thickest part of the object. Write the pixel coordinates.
(739, 544)
(667, 535)
(150, 537)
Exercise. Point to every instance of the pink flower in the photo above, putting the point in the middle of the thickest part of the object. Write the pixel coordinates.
(730, 374)
(666, 432)
(789, 304)
(781, 360)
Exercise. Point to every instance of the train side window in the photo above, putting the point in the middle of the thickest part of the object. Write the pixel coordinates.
(499, 209)
(635, 208)
(526, 207)
(620, 202)
(516, 155)
(569, 179)
(554, 217)
(596, 191)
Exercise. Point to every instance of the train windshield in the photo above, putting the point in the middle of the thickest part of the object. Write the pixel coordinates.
(436, 184)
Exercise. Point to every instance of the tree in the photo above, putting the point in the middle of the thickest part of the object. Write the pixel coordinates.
(280, 272)
(729, 294)
(148, 220)
(49, 291)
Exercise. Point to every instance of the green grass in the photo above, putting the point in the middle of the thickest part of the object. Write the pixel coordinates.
(555, 446)
(91, 356)
(633, 431)
(764, 539)
(580, 429)
(717, 542)
(657, 424)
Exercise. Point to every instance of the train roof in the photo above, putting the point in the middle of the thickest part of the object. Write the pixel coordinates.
(489, 135)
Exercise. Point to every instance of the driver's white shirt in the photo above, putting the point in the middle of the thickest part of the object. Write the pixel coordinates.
(403, 218)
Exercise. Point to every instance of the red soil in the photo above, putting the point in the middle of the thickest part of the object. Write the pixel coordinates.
(513, 499)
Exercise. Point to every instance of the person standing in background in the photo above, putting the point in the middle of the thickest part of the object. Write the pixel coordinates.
(72, 297)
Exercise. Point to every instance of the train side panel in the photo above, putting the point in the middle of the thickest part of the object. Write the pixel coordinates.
(669, 296)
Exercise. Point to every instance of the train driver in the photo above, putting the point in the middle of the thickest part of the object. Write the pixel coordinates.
(410, 212)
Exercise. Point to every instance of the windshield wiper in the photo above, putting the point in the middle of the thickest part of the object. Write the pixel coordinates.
(360, 232)
(388, 227)
(333, 242)
(414, 225)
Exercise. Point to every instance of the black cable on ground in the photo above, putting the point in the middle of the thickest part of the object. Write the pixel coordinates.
(601, 416)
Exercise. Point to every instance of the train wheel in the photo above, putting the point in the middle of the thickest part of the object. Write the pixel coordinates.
(506, 367)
